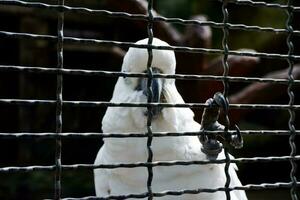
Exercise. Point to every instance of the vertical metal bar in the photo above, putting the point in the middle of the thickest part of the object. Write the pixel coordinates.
(291, 122)
(225, 91)
(59, 104)
(149, 100)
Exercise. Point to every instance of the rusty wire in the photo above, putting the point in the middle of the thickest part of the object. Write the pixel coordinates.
(225, 93)
(289, 11)
(149, 100)
(59, 102)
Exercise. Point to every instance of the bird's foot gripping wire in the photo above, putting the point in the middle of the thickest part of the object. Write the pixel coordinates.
(211, 146)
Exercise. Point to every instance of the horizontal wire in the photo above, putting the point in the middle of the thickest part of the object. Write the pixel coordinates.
(231, 26)
(263, 4)
(150, 164)
(145, 46)
(104, 73)
(143, 17)
(64, 8)
(111, 104)
(50, 135)
(262, 186)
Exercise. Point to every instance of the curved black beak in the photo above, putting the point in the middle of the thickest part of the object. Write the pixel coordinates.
(156, 90)
(153, 93)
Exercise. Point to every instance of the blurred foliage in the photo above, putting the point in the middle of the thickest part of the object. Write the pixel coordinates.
(239, 14)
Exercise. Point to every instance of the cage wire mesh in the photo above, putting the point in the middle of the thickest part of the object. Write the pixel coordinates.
(59, 71)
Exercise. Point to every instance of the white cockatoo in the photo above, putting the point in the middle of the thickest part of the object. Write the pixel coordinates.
(124, 181)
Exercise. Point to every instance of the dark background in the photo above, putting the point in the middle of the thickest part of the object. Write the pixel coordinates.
(41, 118)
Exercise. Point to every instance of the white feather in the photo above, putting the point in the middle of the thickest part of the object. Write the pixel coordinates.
(124, 181)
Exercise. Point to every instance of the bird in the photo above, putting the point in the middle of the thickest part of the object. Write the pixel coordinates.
(125, 181)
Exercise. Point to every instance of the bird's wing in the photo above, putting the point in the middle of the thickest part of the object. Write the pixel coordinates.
(234, 180)
(101, 177)
(237, 194)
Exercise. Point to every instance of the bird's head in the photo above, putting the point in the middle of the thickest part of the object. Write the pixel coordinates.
(135, 90)
(135, 61)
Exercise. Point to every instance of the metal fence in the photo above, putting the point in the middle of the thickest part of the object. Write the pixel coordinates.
(60, 71)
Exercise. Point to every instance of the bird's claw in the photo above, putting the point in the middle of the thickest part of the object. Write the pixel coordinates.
(221, 101)
(211, 146)
(236, 140)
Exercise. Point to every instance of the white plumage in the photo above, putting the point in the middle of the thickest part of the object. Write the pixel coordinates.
(123, 181)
